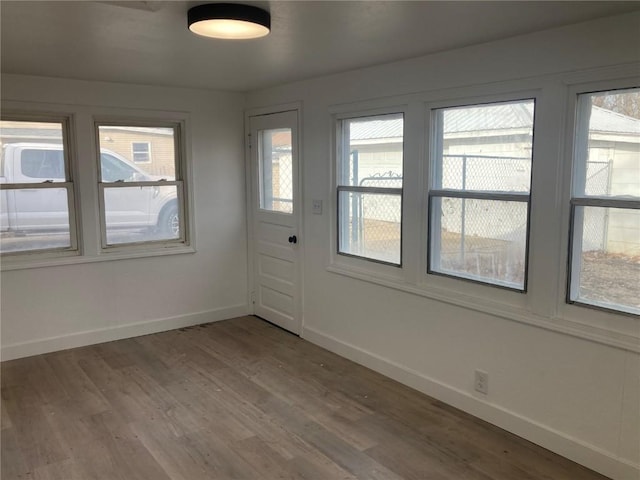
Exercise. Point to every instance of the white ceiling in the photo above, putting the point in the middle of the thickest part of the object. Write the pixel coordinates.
(149, 43)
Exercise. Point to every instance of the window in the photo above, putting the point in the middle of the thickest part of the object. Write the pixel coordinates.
(605, 205)
(140, 205)
(370, 162)
(36, 190)
(276, 170)
(141, 152)
(479, 196)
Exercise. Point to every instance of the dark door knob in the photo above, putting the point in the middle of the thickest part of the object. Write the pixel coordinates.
(293, 239)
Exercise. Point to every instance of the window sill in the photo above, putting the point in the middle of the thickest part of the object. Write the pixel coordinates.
(592, 333)
(39, 261)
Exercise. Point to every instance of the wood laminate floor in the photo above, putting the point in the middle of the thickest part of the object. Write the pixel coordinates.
(241, 399)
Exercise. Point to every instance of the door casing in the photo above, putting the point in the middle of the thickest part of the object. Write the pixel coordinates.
(252, 178)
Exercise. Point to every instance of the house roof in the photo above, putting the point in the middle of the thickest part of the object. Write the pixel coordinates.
(390, 127)
(502, 116)
(608, 121)
(168, 131)
(56, 133)
(39, 133)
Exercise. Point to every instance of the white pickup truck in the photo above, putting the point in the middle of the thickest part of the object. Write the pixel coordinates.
(45, 209)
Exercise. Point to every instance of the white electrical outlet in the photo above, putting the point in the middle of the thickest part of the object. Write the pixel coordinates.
(316, 207)
(481, 383)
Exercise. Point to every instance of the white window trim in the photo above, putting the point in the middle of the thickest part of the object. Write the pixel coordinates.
(82, 144)
(493, 295)
(435, 191)
(584, 313)
(180, 167)
(66, 121)
(352, 261)
(142, 244)
(543, 306)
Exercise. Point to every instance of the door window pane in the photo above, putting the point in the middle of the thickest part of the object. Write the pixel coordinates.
(276, 170)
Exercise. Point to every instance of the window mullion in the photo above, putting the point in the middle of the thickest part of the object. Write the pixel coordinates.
(32, 186)
(380, 190)
(480, 195)
(612, 202)
(73, 216)
(123, 184)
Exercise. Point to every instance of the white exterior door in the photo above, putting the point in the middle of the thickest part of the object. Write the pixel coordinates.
(275, 212)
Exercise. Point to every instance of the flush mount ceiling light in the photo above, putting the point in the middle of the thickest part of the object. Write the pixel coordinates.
(229, 20)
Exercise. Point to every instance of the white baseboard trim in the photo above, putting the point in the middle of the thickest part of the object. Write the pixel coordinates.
(574, 449)
(108, 334)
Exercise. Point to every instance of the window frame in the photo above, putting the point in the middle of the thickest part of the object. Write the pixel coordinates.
(82, 143)
(341, 145)
(263, 199)
(577, 200)
(435, 190)
(183, 240)
(66, 120)
(543, 305)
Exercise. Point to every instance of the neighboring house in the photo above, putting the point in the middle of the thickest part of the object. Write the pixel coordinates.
(614, 158)
(477, 158)
(152, 149)
(481, 158)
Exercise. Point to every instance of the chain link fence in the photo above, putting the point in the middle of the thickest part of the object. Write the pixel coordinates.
(483, 172)
(486, 238)
(282, 182)
(380, 218)
(482, 238)
(594, 227)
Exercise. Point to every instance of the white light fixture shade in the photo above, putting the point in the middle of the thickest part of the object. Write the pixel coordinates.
(229, 21)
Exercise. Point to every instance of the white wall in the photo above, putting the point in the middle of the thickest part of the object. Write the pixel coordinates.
(557, 376)
(57, 307)
(566, 388)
